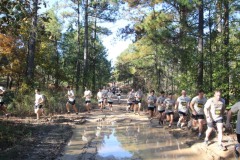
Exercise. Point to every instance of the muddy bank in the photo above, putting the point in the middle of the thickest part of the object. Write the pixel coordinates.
(30, 139)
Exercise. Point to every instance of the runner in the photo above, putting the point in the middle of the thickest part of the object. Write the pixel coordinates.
(71, 100)
(87, 96)
(3, 108)
(138, 101)
(130, 100)
(104, 95)
(197, 105)
(213, 110)
(169, 104)
(110, 99)
(38, 107)
(235, 109)
(161, 107)
(100, 99)
(182, 106)
(151, 100)
(119, 95)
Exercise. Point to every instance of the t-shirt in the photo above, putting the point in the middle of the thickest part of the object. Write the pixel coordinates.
(99, 96)
(169, 103)
(160, 101)
(104, 93)
(71, 96)
(110, 96)
(38, 98)
(198, 104)
(151, 100)
(88, 95)
(130, 97)
(138, 95)
(215, 108)
(183, 103)
(236, 109)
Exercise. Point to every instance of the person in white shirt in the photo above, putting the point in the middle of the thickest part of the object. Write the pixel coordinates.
(138, 101)
(182, 105)
(3, 108)
(169, 103)
(130, 100)
(104, 95)
(71, 100)
(235, 109)
(100, 99)
(161, 107)
(38, 107)
(214, 110)
(197, 105)
(151, 100)
(87, 96)
(110, 99)
(119, 95)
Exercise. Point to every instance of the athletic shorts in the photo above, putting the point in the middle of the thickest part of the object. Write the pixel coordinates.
(88, 101)
(238, 138)
(71, 102)
(99, 102)
(161, 111)
(169, 113)
(1, 104)
(130, 104)
(137, 102)
(182, 113)
(110, 102)
(213, 123)
(38, 106)
(197, 117)
(118, 95)
(151, 108)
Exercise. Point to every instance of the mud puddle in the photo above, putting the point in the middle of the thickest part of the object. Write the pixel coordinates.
(123, 141)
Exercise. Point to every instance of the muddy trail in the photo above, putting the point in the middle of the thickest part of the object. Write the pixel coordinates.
(107, 135)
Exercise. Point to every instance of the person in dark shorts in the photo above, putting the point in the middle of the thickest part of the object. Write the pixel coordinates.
(130, 100)
(196, 106)
(182, 106)
(3, 107)
(71, 100)
(235, 109)
(110, 100)
(100, 99)
(151, 100)
(161, 107)
(169, 103)
(213, 110)
(138, 101)
(87, 96)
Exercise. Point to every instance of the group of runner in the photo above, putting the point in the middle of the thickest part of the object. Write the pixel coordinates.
(193, 112)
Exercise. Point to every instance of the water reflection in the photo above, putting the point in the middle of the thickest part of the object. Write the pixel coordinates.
(112, 147)
(128, 141)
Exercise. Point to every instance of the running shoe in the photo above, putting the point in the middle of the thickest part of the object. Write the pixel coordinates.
(178, 124)
(169, 125)
(206, 142)
(220, 147)
(76, 113)
(68, 112)
(199, 136)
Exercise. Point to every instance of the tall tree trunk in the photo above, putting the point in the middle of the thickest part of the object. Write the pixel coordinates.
(226, 49)
(210, 22)
(32, 44)
(85, 43)
(78, 73)
(200, 46)
(94, 50)
(57, 60)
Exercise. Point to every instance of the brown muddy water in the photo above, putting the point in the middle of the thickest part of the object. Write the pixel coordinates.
(125, 141)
